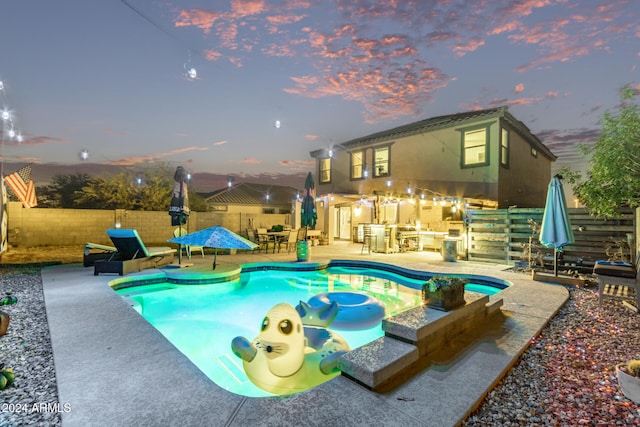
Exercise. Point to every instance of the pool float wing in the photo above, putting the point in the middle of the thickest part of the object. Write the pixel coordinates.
(317, 316)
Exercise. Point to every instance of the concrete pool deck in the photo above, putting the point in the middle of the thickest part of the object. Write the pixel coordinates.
(114, 368)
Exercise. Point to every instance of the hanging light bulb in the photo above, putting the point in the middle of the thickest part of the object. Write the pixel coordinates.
(277, 124)
(12, 133)
(1, 85)
(19, 137)
(5, 115)
(191, 72)
(84, 154)
(330, 152)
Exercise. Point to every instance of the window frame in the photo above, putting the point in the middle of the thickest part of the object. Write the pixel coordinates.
(505, 149)
(463, 149)
(321, 170)
(352, 165)
(376, 174)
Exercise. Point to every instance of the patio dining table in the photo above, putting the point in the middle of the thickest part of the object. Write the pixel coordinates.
(276, 237)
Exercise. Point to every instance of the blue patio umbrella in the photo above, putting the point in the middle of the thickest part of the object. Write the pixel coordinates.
(216, 237)
(556, 227)
(309, 215)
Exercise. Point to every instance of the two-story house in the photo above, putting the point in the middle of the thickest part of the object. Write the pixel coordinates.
(428, 172)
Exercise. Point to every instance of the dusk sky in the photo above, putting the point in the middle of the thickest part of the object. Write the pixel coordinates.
(109, 77)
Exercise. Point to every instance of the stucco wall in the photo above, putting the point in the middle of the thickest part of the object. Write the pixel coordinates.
(55, 227)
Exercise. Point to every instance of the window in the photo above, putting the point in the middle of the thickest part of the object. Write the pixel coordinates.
(325, 170)
(504, 147)
(475, 143)
(357, 165)
(534, 152)
(381, 161)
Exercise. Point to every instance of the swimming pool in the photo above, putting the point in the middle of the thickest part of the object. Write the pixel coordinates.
(202, 320)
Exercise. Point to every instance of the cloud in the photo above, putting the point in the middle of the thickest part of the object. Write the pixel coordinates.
(298, 165)
(310, 137)
(198, 18)
(251, 160)
(219, 143)
(134, 160)
(470, 45)
(565, 143)
(374, 52)
(28, 139)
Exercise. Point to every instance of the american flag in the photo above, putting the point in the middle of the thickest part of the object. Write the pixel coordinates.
(22, 186)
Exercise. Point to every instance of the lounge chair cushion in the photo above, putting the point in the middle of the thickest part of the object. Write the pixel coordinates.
(614, 268)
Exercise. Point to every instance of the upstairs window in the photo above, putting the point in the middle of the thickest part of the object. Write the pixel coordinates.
(504, 147)
(325, 170)
(475, 147)
(381, 161)
(357, 165)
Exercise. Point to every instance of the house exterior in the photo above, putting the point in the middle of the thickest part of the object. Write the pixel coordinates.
(249, 198)
(431, 170)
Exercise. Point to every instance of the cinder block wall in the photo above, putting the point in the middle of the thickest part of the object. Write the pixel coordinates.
(67, 227)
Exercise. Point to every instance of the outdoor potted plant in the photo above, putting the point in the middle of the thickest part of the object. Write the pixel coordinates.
(444, 292)
(629, 379)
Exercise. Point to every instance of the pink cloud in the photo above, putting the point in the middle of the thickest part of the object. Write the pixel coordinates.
(198, 18)
(32, 140)
(519, 87)
(218, 143)
(251, 160)
(471, 45)
(297, 165)
(243, 8)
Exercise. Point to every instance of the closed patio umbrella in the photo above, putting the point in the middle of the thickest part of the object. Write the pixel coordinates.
(556, 230)
(216, 237)
(309, 215)
(179, 207)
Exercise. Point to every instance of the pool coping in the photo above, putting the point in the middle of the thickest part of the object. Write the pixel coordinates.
(95, 335)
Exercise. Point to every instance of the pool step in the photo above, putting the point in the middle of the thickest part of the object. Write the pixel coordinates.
(376, 362)
(414, 338)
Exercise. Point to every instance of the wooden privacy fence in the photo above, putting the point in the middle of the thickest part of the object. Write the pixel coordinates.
(503, 236)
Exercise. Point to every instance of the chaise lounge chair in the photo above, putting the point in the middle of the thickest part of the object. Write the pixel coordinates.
(131, 254)
(617, 279)
(94, 252)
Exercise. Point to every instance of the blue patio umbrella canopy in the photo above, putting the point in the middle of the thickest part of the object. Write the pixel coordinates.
(556, 227)
(216, 237)
(309, 215)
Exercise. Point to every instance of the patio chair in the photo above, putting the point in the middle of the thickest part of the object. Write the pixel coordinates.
(618, 280)
(368, 238)
(131, 254)
(94, 252)
(290, 242)
(263, 240)
(180, 231)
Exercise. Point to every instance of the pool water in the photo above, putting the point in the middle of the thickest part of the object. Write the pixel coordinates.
(202, 320)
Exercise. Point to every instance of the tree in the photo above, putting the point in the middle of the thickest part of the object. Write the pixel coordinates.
(62, 191)
(147, 191)
(613, 177)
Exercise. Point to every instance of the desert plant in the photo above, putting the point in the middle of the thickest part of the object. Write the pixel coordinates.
(438, 286)
(633, 366)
